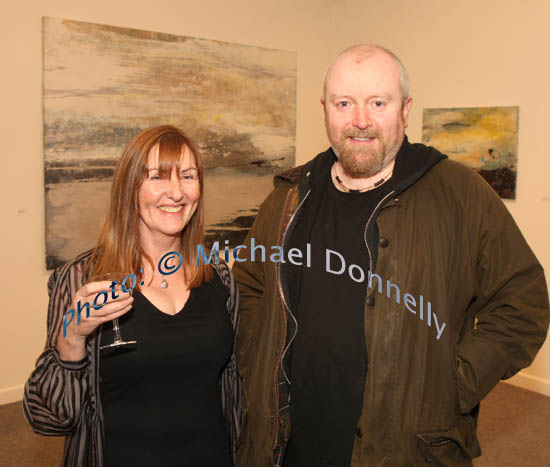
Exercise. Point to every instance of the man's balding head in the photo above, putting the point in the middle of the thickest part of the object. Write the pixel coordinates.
(363, 52)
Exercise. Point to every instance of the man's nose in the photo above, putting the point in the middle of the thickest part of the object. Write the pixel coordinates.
(361, 117)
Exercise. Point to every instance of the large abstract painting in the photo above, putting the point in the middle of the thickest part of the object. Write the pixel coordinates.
(103, 84)
(484, 138)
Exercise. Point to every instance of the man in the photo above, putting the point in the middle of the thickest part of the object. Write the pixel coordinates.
(405, 292)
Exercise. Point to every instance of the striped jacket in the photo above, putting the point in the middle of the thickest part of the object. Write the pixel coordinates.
(62, 398)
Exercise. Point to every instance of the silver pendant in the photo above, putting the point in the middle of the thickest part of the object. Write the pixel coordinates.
(164, 284)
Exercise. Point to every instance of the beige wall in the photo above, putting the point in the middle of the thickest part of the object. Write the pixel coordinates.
(457, 53)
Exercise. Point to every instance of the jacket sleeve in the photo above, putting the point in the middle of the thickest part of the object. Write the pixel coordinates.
(56, 390)
(250, 278)
(253, 275)
(510, 304)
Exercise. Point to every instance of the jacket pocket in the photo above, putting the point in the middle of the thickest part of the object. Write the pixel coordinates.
(442, 449)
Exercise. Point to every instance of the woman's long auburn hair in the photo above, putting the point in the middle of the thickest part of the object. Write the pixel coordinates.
(118, 247)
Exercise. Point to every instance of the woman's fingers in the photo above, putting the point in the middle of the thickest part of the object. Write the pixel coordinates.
(116, 314)
(97, 297)
(87, 312)
(112, 307)
(93, 288)
(100, 291)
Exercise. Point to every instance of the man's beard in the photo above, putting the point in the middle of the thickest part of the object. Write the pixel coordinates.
(353, 160)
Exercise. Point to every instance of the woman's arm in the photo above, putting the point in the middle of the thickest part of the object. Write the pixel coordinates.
(230, 382)
(56, 390)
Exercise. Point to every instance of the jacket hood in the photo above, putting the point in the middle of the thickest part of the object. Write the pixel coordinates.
(412, 162)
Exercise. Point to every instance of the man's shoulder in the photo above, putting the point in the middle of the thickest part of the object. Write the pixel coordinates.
(291, 175)
(450, 177)
(450, 181)
(458, 174)
(448, 169)
(297, 175)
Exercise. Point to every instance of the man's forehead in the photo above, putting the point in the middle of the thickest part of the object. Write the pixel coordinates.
(378, 73)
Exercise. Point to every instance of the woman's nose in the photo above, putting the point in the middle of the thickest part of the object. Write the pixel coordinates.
(175, 190)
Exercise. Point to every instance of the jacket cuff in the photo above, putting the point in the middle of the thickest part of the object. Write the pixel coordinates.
(71, 365)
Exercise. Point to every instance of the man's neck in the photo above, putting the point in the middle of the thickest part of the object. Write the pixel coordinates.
(347, 184)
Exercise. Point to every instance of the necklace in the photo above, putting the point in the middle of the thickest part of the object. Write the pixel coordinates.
(385, 175)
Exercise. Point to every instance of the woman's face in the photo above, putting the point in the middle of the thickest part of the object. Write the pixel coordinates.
(167, 204)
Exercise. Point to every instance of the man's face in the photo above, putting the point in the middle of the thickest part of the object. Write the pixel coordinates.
(365, 117)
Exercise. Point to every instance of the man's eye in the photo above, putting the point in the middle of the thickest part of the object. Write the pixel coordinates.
(378, 104)
(343, 104)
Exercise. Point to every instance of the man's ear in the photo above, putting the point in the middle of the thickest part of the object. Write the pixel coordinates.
(406, 109)
(323, 103)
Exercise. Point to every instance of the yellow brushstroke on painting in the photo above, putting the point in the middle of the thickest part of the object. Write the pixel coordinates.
(240, 93)
(474, 136)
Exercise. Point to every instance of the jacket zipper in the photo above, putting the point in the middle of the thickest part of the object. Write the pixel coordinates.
(282, 349)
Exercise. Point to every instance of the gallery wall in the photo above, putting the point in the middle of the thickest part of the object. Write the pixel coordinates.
(458, 54)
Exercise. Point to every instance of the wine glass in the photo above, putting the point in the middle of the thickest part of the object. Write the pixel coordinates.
(120, 278)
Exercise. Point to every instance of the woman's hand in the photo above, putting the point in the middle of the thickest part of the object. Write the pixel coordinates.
(72, 346)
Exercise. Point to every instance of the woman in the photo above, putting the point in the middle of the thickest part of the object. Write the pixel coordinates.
(174, 398)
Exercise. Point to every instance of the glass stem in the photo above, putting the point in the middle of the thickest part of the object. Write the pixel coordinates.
(116, 330)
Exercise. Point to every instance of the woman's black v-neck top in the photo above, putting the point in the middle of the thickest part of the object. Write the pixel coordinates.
(161, 400)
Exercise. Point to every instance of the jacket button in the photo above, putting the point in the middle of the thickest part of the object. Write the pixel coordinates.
(370, 301)
(429, 460)
(383, 242)
(358, 432)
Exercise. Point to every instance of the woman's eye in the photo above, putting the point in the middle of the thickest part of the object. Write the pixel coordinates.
(189, 175)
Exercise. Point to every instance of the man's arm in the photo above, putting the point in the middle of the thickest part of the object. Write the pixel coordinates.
(511, 303)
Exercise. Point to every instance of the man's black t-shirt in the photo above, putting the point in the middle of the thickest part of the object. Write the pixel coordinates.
(328, 363)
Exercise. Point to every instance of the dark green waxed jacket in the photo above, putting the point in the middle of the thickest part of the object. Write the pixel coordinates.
(466, 306)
